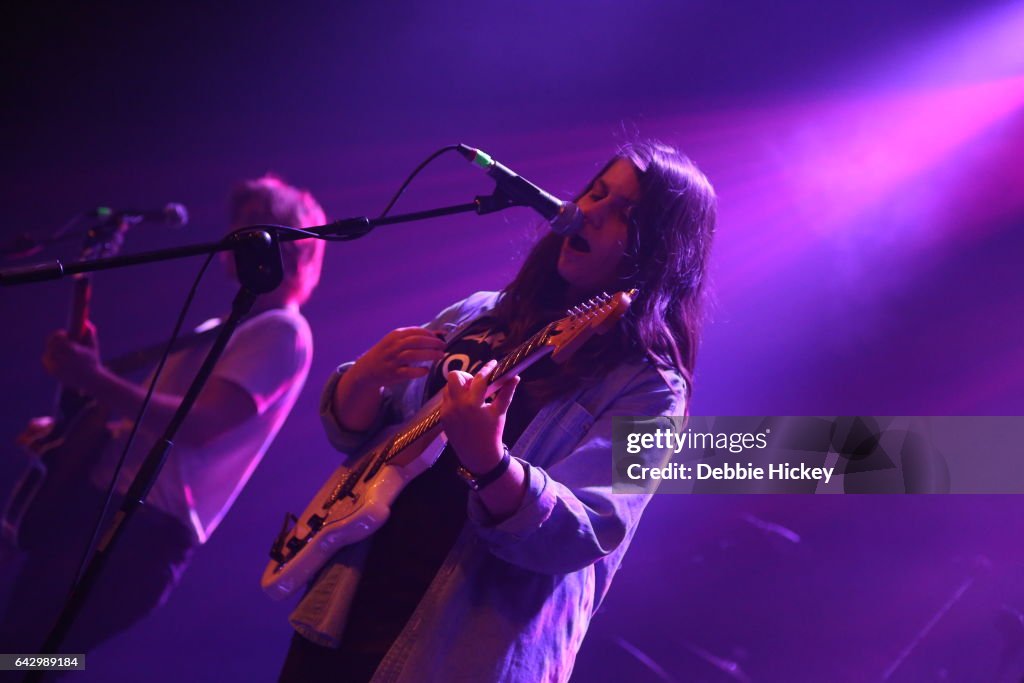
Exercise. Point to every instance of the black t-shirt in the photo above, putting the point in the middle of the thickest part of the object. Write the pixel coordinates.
(406, 553)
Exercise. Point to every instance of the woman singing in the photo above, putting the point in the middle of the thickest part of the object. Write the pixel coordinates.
(498, 581)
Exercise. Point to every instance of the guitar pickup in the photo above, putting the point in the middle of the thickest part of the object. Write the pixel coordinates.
(344, 488)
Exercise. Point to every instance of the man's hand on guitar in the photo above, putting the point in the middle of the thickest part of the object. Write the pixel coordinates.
(37, 428)
(74, 364)
(473, 423)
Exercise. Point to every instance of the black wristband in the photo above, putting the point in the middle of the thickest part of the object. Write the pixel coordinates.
(476, 483)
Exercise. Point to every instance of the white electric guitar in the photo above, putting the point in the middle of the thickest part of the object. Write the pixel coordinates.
(356, 501)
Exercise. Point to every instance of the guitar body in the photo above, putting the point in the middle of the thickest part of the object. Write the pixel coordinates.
(59, 464)
(350, 506)
(356, 501)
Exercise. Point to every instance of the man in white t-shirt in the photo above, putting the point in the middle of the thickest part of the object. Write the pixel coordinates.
(235, 418)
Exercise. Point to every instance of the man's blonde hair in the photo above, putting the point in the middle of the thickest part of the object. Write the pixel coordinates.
(269, 199)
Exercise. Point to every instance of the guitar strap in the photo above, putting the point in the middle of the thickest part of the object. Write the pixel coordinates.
(144, 358)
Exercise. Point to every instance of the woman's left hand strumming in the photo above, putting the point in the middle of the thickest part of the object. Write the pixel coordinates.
(474, 423)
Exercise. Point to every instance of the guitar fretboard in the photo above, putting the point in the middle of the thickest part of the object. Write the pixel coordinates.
(409, 435)
(567, 329)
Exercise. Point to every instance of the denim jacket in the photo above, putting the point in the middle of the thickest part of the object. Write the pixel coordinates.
(512, 600)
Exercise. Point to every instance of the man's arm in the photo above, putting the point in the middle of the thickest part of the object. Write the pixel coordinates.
(221, 406)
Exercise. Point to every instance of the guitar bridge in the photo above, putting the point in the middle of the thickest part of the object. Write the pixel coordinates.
(277, 549)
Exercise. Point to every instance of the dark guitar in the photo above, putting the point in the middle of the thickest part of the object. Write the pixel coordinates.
(61, 455)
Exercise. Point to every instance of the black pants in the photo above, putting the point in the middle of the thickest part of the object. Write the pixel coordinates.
(307, 661)
(152, 553)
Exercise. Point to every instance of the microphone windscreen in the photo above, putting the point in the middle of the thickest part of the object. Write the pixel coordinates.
(568, 221)
(175, 215)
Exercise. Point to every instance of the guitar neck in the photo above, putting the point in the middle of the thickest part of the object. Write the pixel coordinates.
(70, 401)
(78, 316)
(561, 337)
(522, 357)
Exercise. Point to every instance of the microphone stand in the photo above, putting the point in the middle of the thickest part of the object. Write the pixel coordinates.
(344, 229)
(258, 260)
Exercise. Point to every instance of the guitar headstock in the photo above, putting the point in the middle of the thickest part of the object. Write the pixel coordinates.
(104, 239)
(596, 316)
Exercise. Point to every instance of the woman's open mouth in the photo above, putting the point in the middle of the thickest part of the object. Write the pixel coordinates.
(577, 243)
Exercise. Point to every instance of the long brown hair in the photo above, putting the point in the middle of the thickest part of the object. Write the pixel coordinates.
(670, 232)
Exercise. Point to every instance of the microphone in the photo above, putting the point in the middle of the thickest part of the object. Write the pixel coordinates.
(173, 215)
(565, 217)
